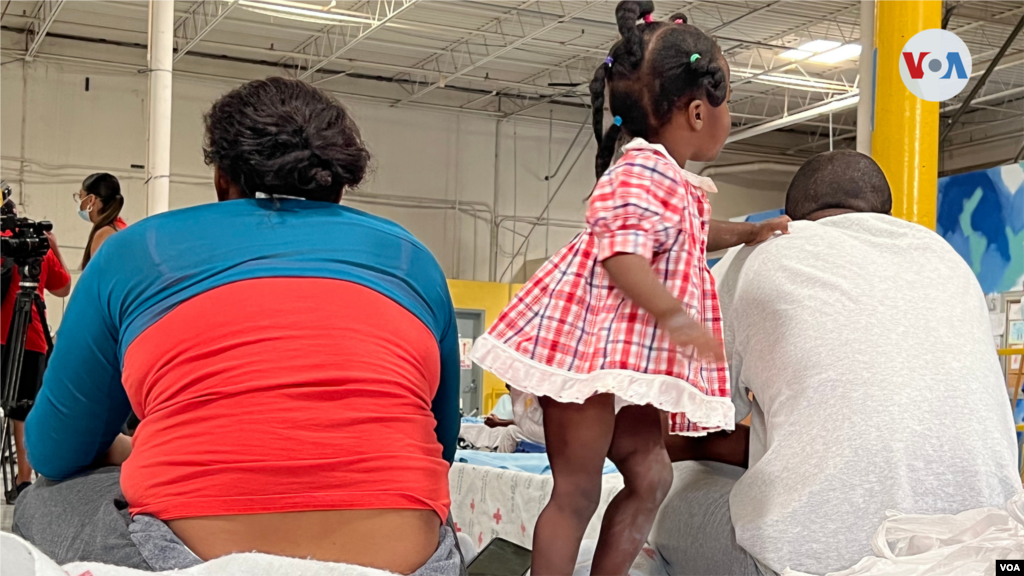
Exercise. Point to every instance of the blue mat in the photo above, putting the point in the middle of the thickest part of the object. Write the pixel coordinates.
(530, 463)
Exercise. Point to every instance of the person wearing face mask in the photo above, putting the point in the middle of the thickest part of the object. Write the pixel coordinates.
(100, 203)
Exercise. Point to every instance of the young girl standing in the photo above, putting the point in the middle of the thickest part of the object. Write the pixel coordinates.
(622, 325)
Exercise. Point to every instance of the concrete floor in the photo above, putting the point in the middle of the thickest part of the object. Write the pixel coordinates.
(6, 517)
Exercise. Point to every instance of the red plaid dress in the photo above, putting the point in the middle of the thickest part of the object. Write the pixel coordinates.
(569, 334)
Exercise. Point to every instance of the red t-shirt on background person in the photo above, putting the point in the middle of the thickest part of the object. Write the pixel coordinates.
(52, 277)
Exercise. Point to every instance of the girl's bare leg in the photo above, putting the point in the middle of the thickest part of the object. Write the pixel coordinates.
(638, 450)
(578, 437)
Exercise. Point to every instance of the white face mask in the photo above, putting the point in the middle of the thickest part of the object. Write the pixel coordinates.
(83, 213)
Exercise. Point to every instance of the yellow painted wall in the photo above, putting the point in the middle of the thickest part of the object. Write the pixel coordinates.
(491, 297)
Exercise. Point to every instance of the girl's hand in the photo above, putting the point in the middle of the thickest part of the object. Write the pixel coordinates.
(768, 228)
(685, 332)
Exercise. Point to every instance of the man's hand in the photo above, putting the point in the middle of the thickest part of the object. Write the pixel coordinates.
(492, 421)
(768, 228)
(684, 331)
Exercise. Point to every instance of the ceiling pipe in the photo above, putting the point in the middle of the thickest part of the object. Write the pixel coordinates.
(748, 167)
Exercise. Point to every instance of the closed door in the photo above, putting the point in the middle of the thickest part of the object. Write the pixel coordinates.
(471, 327)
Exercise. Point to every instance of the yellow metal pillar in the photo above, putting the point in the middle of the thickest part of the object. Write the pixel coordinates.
(905, 142)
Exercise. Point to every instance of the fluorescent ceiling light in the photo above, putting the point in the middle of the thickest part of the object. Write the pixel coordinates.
(793, 54)
(297, 11)
(817, 46)
(845, 52)
(823, 51)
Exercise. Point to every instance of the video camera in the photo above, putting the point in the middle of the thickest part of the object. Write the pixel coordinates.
(23, 239)
(24, 245)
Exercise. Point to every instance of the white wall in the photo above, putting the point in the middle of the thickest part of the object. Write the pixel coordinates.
(54, 133)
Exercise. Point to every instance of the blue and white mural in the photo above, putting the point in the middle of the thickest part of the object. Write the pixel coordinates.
(981, 214)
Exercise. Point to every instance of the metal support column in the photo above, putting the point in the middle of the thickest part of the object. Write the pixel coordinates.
(866, 82)
(161, 57)
(905, 142)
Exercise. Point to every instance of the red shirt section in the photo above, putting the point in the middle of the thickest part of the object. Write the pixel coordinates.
(53, 277)
(281, 395)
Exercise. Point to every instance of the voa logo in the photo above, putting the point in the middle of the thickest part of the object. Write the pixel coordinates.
(935, 65)
(1006, 567)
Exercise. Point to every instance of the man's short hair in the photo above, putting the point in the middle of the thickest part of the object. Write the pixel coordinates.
(842, 179)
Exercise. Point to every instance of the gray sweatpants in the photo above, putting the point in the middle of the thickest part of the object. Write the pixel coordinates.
(86, 519)
(693, 531)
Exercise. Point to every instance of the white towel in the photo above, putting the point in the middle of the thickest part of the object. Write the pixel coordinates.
(23, 559)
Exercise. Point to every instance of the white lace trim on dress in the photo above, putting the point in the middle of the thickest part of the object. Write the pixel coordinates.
(663, 392)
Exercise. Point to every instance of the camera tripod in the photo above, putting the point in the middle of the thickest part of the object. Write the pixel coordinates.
(28, 297)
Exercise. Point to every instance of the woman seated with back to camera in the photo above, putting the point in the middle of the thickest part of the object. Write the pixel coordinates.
(294, 364)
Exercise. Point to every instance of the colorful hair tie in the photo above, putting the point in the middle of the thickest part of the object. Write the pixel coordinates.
(694, 58)
(617, 120)
(680, 21)
(609, 60)
(648, 18)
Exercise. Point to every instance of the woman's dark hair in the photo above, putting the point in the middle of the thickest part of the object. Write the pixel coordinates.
(285, 137)
(650, 72)
(105, 187)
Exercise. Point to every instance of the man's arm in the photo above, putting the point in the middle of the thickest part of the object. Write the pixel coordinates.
(492, 421)
(726, 447)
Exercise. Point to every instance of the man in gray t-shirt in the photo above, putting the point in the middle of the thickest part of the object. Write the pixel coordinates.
(865, 343)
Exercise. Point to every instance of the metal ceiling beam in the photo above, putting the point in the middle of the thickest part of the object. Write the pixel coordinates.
(460, 71)
(602, 51)
(327, 47)
(802, 27)
(989, 98)
(739, 19)
(197, 22)
(979, 22)
(832, 105)
(42, 20)
(984, 78)
(542, 102)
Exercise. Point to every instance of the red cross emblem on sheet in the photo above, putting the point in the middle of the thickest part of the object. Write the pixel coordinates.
(457, 529)
(480, 539)
(497, 516)
(472, 505)
(522, 527)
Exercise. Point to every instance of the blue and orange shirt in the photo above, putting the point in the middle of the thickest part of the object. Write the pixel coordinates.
(282, 356)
